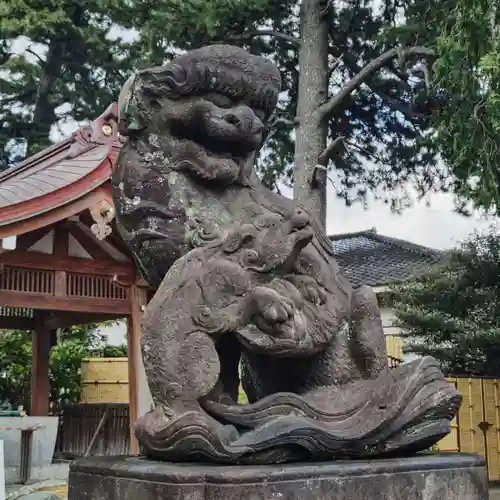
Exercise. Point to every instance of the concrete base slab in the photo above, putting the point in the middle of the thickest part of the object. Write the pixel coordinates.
(42, 450)
(428, 476)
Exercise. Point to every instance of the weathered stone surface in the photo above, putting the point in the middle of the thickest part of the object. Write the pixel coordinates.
(246, 277)
(426, 477)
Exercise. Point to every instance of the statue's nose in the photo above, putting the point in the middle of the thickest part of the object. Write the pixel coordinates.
(244, 119)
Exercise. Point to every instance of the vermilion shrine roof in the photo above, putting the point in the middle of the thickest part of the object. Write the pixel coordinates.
(60, 175)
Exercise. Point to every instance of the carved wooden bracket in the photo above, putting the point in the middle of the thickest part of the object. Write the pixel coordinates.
(102, 213)
(103, 130)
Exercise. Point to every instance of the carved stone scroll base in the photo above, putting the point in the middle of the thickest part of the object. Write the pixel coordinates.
(433, 477)
(403, 411)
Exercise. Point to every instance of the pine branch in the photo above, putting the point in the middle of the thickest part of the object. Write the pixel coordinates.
(364, 151)
(5, 52)
(397, 105)
(25, 97)
(335, 65)
(33, 53)
(327, 109)
(285, 122)
(391, 101)
(5, 56)
(329, 151)
(328, 8)
(321, 168)
(274, 34)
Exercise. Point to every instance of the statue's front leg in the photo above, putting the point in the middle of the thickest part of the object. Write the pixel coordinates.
(178, 427)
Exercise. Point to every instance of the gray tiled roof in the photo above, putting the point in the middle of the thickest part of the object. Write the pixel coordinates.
(368, 258)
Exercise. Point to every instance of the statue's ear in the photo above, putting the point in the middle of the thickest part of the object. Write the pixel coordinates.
(129, 118)
(238, 237)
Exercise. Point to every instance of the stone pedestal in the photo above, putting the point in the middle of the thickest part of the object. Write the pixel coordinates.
(424, 477)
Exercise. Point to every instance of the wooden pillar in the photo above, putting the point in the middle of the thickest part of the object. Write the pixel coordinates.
(40, 382)
(42, 336)
(137, 300)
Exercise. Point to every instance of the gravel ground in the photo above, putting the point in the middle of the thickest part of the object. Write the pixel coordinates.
(16, 492)
(61, 491)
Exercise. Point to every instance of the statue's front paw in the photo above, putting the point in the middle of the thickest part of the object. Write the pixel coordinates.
(272, 306)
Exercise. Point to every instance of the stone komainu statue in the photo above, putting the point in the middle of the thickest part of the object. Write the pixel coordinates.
(247, 284)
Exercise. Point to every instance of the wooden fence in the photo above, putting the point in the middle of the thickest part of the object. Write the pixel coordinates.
(93, 429)
(104, 380)
(476, 429)
(395, 355)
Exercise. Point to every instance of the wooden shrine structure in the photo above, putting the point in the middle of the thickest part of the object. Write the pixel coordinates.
(69, 265)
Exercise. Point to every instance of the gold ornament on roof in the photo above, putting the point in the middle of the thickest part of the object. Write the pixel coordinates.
(103, 213)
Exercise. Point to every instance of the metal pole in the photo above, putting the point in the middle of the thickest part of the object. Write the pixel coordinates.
(26, 446)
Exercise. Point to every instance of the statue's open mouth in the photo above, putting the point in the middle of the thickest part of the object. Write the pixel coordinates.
(236, 147)
(205, 164)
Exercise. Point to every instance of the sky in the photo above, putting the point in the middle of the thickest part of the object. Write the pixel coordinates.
(435, 226)
(432, 224)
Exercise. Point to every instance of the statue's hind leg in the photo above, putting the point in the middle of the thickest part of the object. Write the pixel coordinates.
(368, 344)
(227, 388)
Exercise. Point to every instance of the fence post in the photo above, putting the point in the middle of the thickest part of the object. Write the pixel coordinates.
(2, 473)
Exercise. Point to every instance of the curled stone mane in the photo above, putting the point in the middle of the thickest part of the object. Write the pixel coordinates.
(216, 68)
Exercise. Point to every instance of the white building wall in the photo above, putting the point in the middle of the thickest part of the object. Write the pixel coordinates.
(115, 334)
(388, 320)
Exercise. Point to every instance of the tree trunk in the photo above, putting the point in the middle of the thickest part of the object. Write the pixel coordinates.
(44, 113)
(311, 133)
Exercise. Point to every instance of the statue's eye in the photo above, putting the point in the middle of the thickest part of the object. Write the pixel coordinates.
(247, 239)
(219, 100)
